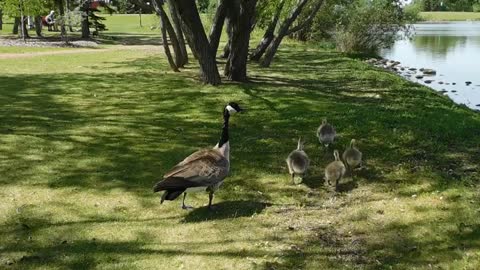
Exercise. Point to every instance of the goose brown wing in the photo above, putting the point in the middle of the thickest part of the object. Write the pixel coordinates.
(203, 169)
(190, 159)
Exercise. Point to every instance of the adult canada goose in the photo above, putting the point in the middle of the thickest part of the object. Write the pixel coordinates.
(352, 157)
(335, 170)
(326, 133)
(203, 170)
(298, 161)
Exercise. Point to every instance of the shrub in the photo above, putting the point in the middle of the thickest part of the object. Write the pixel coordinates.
(366, 26)
(476, 7)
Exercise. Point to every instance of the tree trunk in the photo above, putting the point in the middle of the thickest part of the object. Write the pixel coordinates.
(1, 19)
(195, 33)
(63, 30)
(177, 24)
(24, 27)
(16, 25)
(167, 26)
(226, 49)
(165, 44)
(236, 67)
(85, 27)
(217, 25)
(269, 34)
(38, 25)
(282, 32)
(85, 22)
(69, 23)
(233, 14)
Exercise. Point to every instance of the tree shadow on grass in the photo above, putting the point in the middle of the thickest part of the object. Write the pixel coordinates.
(314, 181)
(130, 39)
(226, 210)
(346, 185)
(131, 131)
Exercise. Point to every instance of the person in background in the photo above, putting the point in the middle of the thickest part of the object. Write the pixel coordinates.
(49, 20)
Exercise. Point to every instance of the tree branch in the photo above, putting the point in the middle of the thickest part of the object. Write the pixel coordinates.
(308, 21)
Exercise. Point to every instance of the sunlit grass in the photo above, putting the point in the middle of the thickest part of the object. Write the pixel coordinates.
(450, 16)
(85, 136)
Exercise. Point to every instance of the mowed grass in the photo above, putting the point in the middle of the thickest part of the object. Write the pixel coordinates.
(85, 137)
(15, 50)
(450, 16)
(122, 29)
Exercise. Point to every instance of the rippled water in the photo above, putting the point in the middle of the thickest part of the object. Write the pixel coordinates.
(453, 50)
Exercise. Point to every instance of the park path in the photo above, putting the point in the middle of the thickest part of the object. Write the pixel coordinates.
(73, 51)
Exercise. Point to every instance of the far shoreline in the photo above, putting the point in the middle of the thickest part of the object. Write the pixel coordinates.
(447, 16)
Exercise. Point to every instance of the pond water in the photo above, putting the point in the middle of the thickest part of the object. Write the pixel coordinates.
(452, 50)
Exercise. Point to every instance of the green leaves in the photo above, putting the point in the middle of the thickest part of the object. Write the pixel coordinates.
(14, 8)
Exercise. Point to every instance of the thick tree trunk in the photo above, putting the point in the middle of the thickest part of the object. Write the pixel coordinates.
(168, 28)
(85, 27)
(38, 25)
(195, 33)
(285, 30)
(85, 23)
(16, 25)
(217, 25)
(177, 24)
(269, 34)
(233, 14)
(236, 67)
(1, 19)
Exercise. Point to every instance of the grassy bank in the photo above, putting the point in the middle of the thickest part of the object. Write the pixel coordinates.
(450, 16)
(84, 138)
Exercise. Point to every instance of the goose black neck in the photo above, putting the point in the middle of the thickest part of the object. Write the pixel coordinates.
(224, 137)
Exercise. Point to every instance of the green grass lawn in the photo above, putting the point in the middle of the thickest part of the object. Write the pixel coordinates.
(121, 28)
(85, 136)
(450, 16)
(12, 49)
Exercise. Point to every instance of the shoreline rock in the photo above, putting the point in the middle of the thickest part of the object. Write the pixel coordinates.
(428, 71)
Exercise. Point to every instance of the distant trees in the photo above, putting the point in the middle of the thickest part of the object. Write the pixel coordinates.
(132, 6)
(448, 5)
(20, 9)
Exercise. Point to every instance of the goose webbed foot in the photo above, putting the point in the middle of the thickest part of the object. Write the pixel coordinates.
(184, 206)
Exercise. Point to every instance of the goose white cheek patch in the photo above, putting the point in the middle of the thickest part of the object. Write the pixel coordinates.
(231, 109)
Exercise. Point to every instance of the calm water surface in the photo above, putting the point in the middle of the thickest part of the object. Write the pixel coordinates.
(453, 50)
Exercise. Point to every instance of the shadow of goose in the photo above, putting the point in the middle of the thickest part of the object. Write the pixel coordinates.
(226, 210)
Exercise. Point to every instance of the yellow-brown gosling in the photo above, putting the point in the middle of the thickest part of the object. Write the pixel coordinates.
(326, 133)
(335, 170)
(298, 161)
(352, 157)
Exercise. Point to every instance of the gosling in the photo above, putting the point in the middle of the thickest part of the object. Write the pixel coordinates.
(326, 133)
(298, 161)
(335, 170)
(352, 157)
